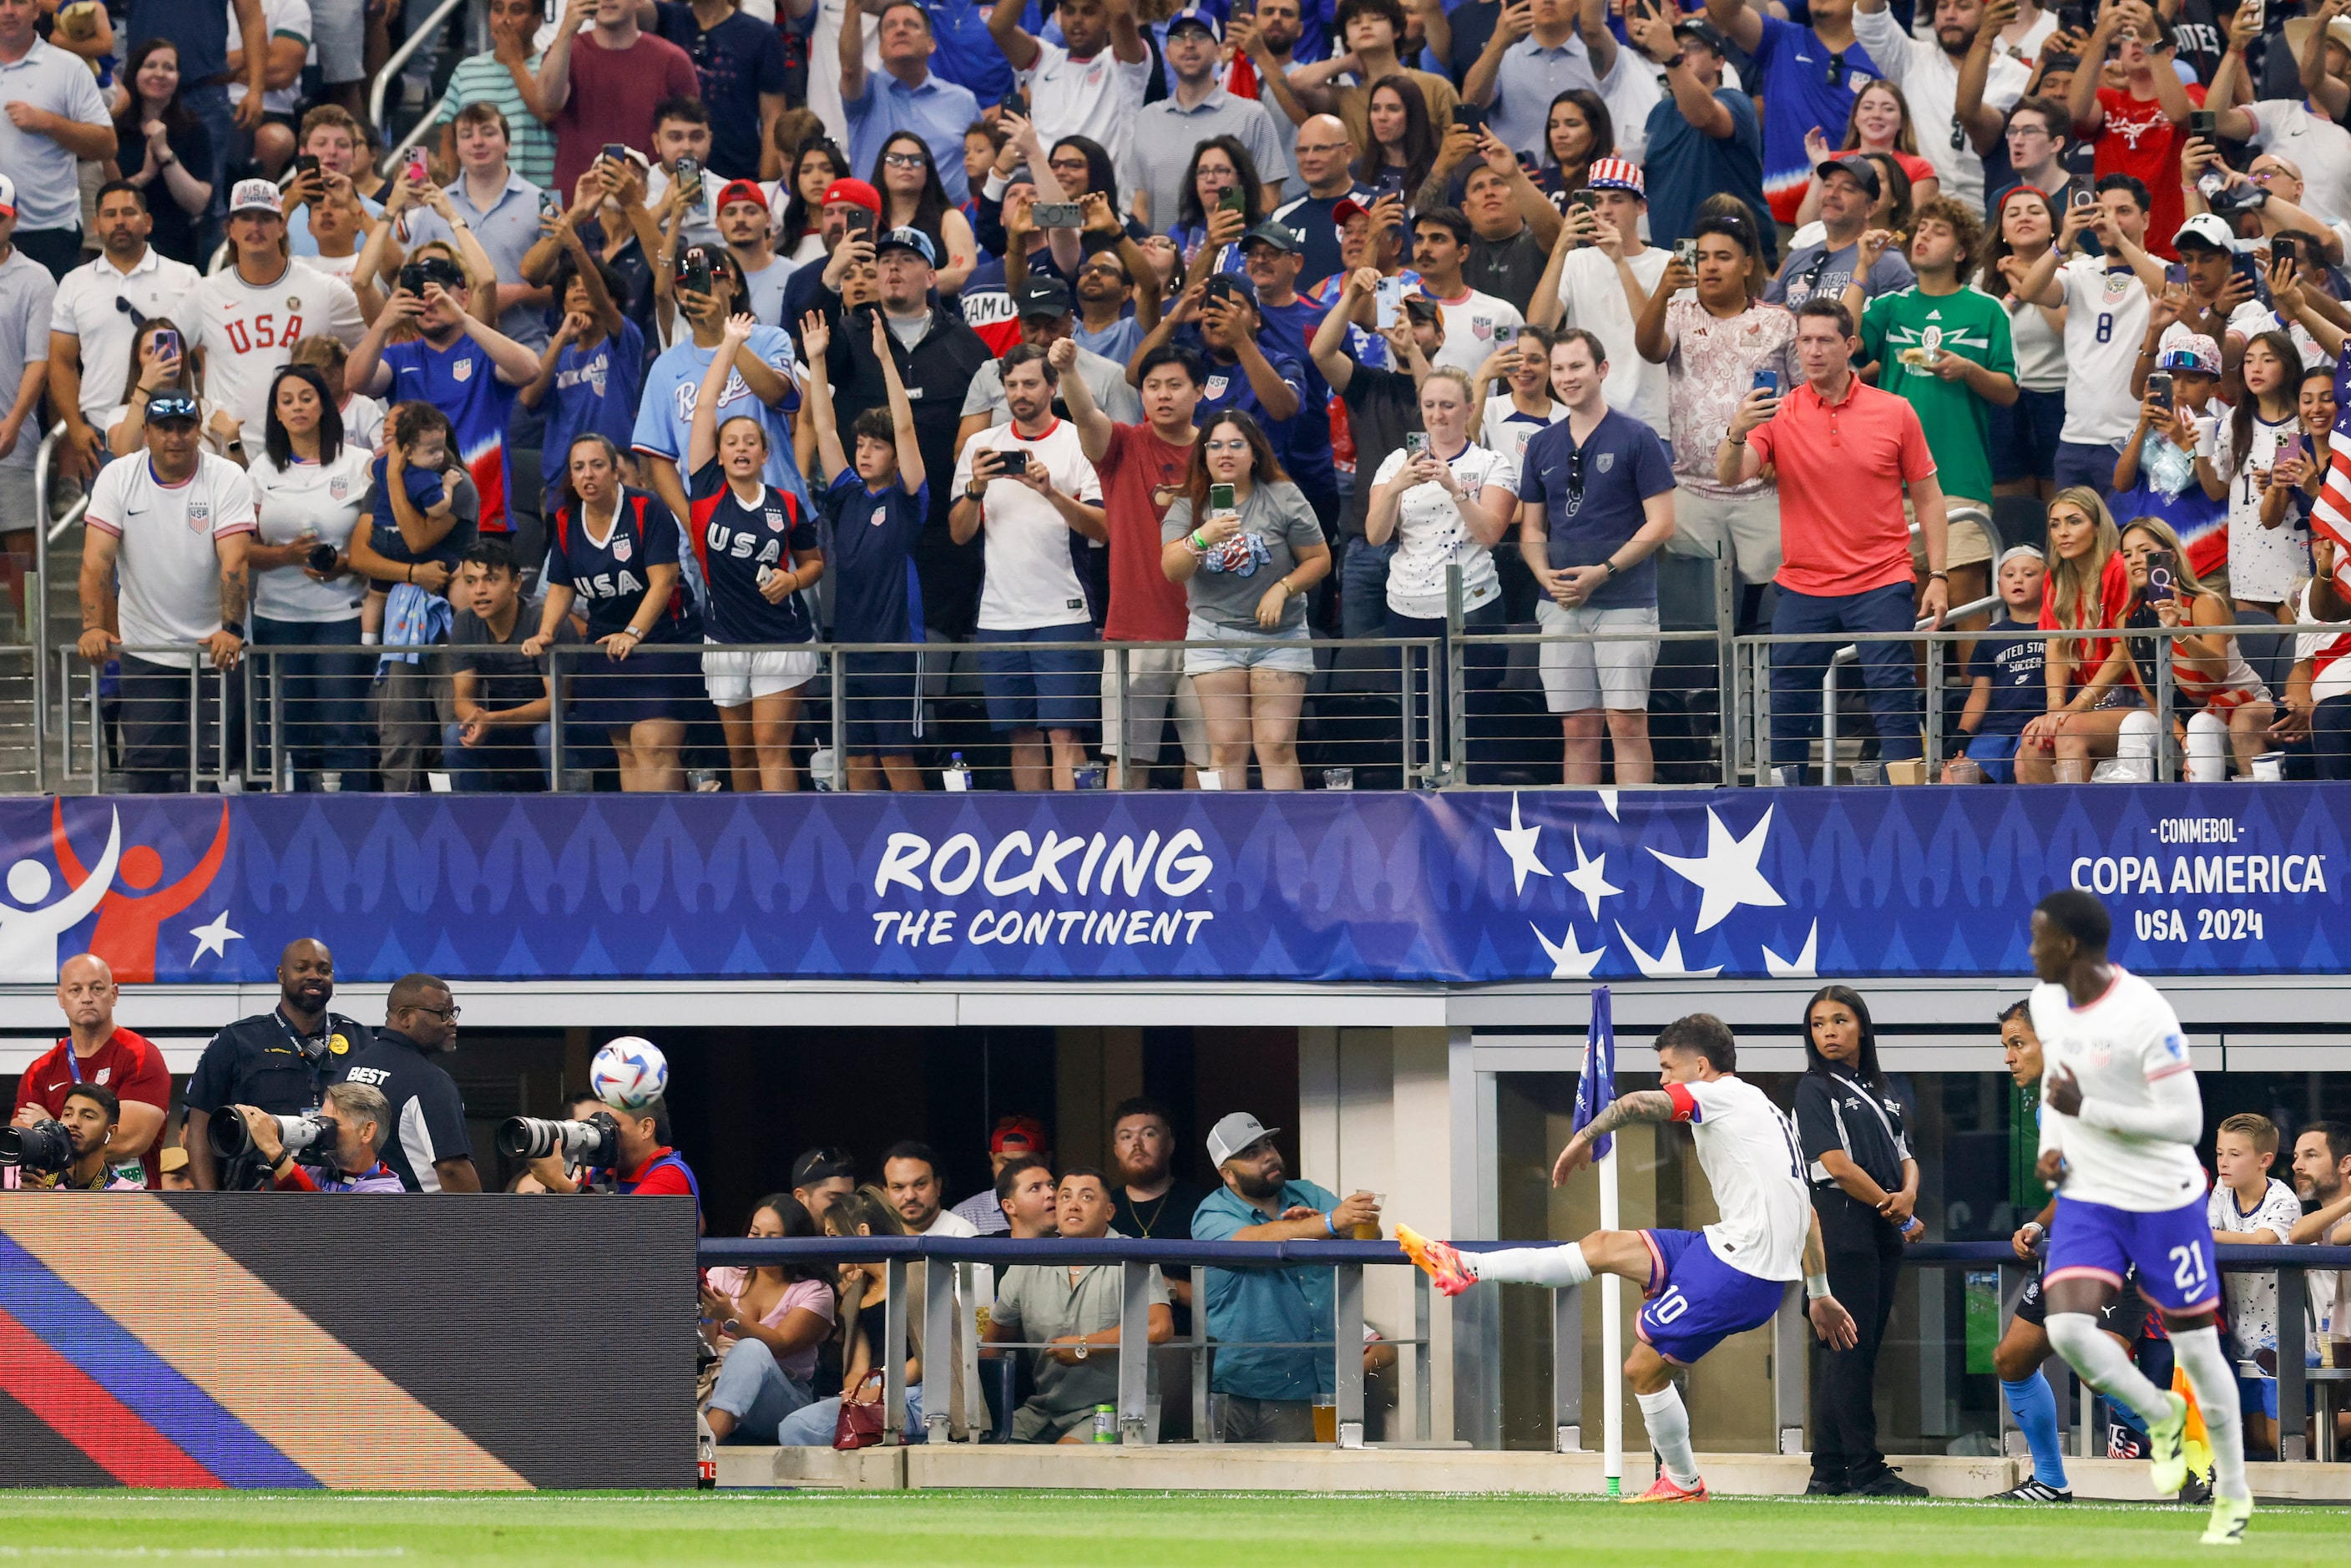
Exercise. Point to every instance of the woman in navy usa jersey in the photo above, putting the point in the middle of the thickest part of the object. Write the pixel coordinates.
(617, 550)
(757, 546)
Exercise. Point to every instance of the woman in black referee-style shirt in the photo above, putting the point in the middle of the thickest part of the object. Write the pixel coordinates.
(1864, 1185)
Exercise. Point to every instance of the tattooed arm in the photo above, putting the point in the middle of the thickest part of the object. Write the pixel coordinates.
(225, 645)
(1641, 1105)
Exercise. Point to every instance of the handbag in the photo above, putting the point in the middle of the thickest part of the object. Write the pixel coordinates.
(859, 1425)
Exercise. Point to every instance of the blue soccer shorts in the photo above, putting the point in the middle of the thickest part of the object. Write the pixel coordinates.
(1696, 1300)
(2172, 1247)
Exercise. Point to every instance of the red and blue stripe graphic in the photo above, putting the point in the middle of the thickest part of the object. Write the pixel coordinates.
(105, 1391)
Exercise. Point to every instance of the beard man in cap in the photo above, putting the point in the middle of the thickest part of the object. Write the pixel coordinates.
(1270, 1393)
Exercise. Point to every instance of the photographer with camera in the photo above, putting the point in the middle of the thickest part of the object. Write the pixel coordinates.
(73, 1154)
(425, 1140)
(95, 1051)
(280, 1061)
(343, 1135)
(624, 1151)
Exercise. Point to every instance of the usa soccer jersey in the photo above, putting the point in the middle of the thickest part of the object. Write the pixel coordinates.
(611, 578)
(462, 382)
(734, 545)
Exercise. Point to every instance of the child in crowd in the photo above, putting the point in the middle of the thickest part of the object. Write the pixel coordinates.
(2248, 1207)
(2008, 674)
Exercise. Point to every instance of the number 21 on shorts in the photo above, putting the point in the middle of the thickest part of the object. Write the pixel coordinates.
(2187, 1269)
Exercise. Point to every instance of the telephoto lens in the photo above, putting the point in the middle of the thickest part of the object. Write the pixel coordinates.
(594, 1142)
(42, 1147)
(231, 1138)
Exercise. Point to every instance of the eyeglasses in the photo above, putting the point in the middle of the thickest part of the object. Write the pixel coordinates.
(447, 1015)
(904, 161)
(2023, 132)
(1836, 68)
(1958, 135)
(1230, 444)
(2263, 176)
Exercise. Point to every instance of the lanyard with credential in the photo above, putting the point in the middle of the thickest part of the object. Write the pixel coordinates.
(313, 1052)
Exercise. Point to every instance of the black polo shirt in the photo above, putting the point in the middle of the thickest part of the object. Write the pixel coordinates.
(265, 1062)
(428, 1114)
(1167, 1217)
(1834, 1110)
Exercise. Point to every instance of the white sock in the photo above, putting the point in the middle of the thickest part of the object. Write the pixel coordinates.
(1530, 1265)
(2199, 1355)
(2208, 749)
(1668, 1424)
(2105, 1366)
(2135, 742)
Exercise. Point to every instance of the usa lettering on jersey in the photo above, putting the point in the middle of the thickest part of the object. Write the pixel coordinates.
(742, 544)
(263, 331)
(622, 584)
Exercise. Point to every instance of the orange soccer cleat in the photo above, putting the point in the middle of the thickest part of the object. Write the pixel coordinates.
(1668, 1490)
(1442, 1262)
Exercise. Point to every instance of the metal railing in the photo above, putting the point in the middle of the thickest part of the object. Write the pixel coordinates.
(419, 35)
(952, 1313)
(950, 1317)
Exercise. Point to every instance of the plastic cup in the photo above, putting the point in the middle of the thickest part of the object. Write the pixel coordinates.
(2072, 770)
(1338, 779)
(2270, 765)
(1326, 1419)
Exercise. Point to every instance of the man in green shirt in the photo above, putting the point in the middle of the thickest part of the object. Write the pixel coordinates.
(1944, 347)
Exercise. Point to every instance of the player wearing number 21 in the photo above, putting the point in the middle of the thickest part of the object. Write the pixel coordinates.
(2120, 1117)
(1703, 1286)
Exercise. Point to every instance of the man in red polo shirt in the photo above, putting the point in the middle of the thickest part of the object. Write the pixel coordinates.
(1846, 452)
(95, 1051)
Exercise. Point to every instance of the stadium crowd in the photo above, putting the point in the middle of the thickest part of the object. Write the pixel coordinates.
(303, 1098)
(703, 334)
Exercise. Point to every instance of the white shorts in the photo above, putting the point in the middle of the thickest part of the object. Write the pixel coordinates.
(734, 678)
(1578, 677)
(1155, 683)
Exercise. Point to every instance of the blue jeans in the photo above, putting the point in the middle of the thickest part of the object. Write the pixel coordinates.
(1797, 669)
(812, 1425)
(323, 697)
(1363, 588)
(757, 1391)
(503, 768)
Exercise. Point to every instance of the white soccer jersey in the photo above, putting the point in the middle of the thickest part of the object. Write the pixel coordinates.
(2118, 1048)
(1755, 1165)
(247, 331)
(169, 560)
(2105, 323)
(2253, 1294)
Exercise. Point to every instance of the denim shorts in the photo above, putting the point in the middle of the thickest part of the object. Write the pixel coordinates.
(1033, 689)
(1288, 651)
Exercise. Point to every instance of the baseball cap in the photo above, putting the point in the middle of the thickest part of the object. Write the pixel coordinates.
(257, 196)
(1855, 165)
(741, 191)
(2013, 551)
(1705, 32)
(1235, 1132)
(1615, 174)
(1194, 16)
(855, 192)
(1235, 283)
(1281, 236)
(915, 240)
(171, 403)
(1043, 297)
(170, 1158)
(823, 1164)
(2194, 353)
(1016, 1135)
(2207, 231)
(7, 196)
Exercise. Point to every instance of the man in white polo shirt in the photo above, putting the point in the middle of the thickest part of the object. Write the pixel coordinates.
(1092, 86)
(173, 523)
(55, 117)
(90, 329)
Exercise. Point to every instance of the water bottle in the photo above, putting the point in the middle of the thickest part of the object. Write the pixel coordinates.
(820, 769)
(1105, 1423)
(957, 775)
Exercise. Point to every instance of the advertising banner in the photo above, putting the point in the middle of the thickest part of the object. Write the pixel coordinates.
(1460, 887)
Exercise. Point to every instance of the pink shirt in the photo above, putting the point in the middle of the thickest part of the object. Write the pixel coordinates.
(1842, 467)
(614, 94)
(812, 1295)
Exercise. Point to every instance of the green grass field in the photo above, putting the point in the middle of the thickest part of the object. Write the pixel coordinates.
(1131, 1529)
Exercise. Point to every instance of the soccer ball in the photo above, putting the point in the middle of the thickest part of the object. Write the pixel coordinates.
(629, 1074)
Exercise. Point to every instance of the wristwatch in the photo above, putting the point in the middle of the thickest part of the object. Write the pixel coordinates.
(1082, 1350)
(234, 627)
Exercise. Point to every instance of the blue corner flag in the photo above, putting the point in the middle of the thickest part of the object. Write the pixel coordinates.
(1595, 1086)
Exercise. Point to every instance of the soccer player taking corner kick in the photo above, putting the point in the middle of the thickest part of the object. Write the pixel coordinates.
(1702, 1286)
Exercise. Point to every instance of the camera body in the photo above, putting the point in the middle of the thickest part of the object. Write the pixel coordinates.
(594, 1142)
(44, 1148)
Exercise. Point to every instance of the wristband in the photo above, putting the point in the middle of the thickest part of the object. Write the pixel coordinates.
(1816, 1287)
(1328, 1226)
(1200, 544)
(2035, 1227)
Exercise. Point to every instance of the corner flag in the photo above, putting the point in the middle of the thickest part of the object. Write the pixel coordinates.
(1595, 1085)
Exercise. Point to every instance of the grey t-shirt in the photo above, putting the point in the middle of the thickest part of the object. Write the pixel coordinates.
(1816, 269)
(26, 291)
(1105, 378)
(1275, 524)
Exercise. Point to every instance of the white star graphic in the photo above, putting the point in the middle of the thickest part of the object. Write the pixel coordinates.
(1726, 872)
(1519, 843)
(1567, 961)
(1668, 965)
(1608, 799)
(214, 937)
(1590, 877)
(1804, 967)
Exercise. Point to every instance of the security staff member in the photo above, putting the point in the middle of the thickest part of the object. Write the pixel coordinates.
(1865, 1186)
(426, 1144)
(280, 1061)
